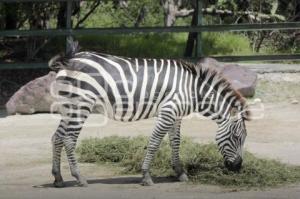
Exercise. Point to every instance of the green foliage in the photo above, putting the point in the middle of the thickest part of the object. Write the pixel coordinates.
(108, 14)
(203, 163)
(165, 45)
(225, 44)
(112, 14)
(137, 45)
(227, 4)
(101, 17)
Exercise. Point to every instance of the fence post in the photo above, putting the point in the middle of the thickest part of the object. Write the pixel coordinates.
(199, 34)
(69, 24)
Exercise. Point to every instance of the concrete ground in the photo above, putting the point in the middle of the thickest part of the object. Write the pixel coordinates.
(25, 159)
(272, 67)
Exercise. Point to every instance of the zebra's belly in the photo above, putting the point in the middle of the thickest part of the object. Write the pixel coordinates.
(127, 112)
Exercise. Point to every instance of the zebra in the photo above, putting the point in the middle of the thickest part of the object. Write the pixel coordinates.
(131, 89)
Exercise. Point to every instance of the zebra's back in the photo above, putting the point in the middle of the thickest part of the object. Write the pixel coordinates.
(127, 89)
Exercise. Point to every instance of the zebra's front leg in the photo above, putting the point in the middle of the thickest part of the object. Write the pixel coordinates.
(174, 136)
(57, 145)
(164, 123)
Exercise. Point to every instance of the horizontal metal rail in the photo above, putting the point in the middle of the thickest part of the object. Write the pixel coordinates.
(203, 28)
(35, 1)
(13, 66)
(279, 57)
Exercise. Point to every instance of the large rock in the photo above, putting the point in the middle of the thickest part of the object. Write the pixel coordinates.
(33, 97)
(242, 79)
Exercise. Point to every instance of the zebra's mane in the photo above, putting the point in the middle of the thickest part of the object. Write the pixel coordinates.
(211, 72)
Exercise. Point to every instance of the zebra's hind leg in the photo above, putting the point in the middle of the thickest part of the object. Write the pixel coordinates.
(66, 136)
(70, 145)
(174, 136)
(57, 145)
(73, 118)
(164, 123)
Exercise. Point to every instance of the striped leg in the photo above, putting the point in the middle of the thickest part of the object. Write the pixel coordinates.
(57, 145)
(70, 145)
(74, 116)
(165, 122)
(66, 136)
(174, 136)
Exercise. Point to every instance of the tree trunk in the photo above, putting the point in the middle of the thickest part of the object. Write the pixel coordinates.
(191, 41)
(61, 16)
(11, 19)
(169, 12)
(62, 13)
(297, 12)
(36, 22)
(172, 10)
(141, 17)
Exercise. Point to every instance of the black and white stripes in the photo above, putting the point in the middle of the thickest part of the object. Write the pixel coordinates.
(129, 89)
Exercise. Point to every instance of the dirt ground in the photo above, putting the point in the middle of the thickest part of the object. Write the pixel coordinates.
(25, 160)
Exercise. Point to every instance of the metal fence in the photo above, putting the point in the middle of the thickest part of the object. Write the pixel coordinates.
(70, 32)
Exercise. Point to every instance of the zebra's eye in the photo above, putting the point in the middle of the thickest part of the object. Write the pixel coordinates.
(236, 136)
(234, 112)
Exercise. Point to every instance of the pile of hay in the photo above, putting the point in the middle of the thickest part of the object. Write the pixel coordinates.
(202, 162)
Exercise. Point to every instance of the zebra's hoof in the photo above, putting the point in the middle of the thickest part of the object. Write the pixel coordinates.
(183, 177)
(83, 183)
(147, 182)
(58, 184)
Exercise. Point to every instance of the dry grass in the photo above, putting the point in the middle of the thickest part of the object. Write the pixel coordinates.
(203, 162)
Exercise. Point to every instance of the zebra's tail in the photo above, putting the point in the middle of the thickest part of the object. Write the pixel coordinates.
(60, 61)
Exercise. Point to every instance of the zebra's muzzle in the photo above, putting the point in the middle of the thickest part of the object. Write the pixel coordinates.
(234, 166)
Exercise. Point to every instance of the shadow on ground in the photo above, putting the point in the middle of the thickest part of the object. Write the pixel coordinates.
(120, 180)
(3, 112)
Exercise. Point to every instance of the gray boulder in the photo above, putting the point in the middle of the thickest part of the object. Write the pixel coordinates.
(33, 97)
(242, 79)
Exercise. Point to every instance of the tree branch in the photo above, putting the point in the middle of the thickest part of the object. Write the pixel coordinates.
(250, 14)
(212, 11)
(141, 16)
(184, 12)
(95, 5)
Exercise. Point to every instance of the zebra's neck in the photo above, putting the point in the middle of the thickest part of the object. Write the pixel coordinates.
(216, 97)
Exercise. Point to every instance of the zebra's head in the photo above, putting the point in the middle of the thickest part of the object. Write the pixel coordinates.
(231, 136)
